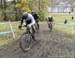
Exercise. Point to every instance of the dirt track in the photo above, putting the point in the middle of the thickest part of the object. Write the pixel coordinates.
(49, 45)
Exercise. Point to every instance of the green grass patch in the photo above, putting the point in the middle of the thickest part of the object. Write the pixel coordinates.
(8, 38)
(60, 18)
(3, 42)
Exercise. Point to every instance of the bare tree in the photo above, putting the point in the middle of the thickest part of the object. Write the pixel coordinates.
(4, 12)
(1, 4)
(15, 9)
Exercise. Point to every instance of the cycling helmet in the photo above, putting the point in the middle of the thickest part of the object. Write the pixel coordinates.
(33, 12)
(25, 14)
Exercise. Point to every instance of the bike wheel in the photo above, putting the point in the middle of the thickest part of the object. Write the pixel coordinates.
(50, 27)
(25, 42)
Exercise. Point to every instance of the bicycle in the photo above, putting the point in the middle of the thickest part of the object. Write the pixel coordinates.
(26, 40)
(50, 26)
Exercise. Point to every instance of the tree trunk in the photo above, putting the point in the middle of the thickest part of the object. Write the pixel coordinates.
(16, 14)
(1, 4)
(4, 12)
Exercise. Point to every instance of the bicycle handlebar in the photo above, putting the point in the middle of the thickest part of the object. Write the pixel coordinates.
(20, 27)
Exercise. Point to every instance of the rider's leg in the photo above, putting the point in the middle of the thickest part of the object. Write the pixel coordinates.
(37, 25)
(27, 29)
(33, 37)
(33, 29)
(51, 26)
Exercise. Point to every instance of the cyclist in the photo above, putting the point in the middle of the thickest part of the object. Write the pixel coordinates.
(29, 20)
(72, 17)
(36, 17)
(69, 12)
(50, 22)
(65, 22)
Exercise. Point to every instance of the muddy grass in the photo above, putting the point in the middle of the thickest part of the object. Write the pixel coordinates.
(49, 45)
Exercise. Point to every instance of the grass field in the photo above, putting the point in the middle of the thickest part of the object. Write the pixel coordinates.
(59, 18)
(7, 38)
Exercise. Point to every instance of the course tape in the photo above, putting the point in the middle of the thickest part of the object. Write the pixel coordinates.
(7, 22)
(68, 24)
(5, 32)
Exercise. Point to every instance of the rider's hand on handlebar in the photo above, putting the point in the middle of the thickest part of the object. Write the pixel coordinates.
(24, 26)
(20, 27)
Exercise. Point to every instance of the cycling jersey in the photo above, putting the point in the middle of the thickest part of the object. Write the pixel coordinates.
(36, 17)
(29, 20)
(50, 19)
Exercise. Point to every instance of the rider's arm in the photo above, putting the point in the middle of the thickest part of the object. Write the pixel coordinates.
(22, 21)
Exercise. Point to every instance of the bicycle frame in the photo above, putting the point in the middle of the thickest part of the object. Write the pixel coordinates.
(50, 25)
